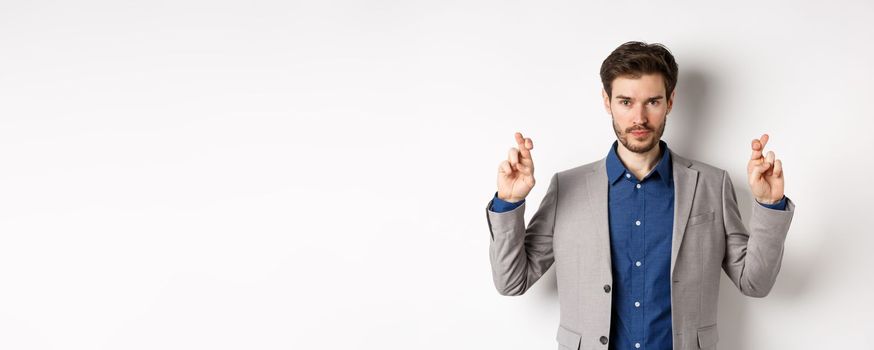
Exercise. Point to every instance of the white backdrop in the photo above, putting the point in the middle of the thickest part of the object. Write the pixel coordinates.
(313, 175)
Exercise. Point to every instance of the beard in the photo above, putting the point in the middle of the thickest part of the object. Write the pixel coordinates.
(639, 146)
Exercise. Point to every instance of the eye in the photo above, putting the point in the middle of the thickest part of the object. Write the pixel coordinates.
(654, 102)
(624, 102)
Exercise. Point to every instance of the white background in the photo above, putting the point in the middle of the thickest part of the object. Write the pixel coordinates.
(314, 175)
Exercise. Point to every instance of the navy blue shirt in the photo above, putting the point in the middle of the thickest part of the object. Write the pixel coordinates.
(641, 231)
(641, 226)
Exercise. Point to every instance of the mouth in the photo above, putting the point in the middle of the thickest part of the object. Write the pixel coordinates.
(640, 133)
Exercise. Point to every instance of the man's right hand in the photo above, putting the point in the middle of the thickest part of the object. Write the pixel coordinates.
(516, 174)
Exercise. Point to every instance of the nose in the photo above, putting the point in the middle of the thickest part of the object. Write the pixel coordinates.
(639, 116)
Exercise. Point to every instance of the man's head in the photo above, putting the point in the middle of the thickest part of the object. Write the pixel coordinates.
(639, 81)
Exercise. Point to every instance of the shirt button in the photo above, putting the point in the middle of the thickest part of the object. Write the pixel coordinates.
(636, 304)
(637, 263)
(637, 222)
(638, 185)
(603, 340)
(637, 345)
(627, 175)
(606, 288)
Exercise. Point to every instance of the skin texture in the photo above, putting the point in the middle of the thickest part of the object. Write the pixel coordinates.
(639, 103)
(516, 173)
(765, 173)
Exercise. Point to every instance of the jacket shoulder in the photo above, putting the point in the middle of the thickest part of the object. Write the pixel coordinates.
(577, 175)
(704, 169)
(582, 169)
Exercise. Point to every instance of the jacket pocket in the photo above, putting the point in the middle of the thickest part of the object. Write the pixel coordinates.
(701, 218)
(708, 337)
(567, 339)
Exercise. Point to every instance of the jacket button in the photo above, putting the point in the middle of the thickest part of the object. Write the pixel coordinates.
(603, 340)
(606, 288)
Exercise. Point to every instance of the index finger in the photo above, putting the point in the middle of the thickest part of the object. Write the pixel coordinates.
(758, 146)
(757, 149)
(525, 145)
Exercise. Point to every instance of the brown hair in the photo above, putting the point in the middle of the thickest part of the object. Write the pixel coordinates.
(636, 58)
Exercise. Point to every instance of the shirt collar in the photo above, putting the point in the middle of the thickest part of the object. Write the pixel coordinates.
(615, 168)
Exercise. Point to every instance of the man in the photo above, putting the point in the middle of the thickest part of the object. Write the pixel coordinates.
(638, 237)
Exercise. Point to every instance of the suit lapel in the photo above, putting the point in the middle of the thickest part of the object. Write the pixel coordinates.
(685, 182)
(598, 190)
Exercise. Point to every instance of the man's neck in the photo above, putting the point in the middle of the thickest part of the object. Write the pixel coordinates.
(640, 164)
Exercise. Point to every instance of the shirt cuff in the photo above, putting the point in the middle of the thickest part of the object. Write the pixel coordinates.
(500, 205)
(781, 205)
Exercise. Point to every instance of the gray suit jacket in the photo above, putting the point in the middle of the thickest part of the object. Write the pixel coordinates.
(571, 231)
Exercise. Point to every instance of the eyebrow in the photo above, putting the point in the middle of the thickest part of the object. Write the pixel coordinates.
(623, 97)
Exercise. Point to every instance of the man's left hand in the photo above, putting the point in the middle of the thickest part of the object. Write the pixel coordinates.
(765, 173)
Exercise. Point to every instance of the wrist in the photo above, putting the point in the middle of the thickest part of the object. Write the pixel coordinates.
(510, 199)
(769, 201)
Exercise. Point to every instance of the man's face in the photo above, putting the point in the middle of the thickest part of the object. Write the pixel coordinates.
(639, 109)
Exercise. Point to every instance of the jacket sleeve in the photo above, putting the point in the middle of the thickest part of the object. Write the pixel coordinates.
(753, 257)
(519, 256)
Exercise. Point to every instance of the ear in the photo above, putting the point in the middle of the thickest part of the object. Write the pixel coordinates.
(671, 101)
(606, 101)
